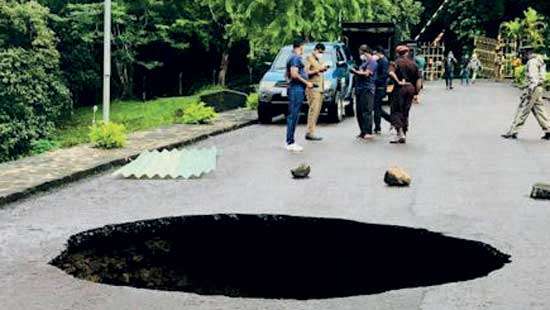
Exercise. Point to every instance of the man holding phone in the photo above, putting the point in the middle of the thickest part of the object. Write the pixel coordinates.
(315, 68)
(364, 91)
(298, 82)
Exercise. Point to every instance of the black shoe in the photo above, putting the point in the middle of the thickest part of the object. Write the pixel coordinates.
(512, 136)
(378, 132)
(546, 136)
(399, 141)
(313, 138)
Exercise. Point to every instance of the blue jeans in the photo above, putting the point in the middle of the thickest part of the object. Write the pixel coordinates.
(296, 96)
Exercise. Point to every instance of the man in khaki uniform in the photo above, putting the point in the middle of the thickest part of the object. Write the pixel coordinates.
(531, 100)
(315, 68)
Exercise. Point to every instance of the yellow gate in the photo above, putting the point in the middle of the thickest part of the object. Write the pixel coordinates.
(435, 56)
(488, 51)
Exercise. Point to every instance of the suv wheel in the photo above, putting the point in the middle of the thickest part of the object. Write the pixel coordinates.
(265, 113)
(336, 110)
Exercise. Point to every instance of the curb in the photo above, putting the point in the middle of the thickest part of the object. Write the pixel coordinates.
(77, 176)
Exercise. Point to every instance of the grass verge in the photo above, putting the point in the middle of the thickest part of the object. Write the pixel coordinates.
(134, 115)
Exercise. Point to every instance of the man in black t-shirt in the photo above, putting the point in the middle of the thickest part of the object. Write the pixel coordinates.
(381, 89)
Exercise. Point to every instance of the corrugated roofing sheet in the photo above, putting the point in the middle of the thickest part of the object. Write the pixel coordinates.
(186, 164)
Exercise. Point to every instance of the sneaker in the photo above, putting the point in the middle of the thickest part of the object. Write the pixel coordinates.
(295, 148)
(378, 132)
(311, 137)
(511, 136)
(546, 136)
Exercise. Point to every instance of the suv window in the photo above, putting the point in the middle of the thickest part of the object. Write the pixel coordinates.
(281, 60)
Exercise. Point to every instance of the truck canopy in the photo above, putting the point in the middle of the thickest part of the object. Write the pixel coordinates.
(355, 34)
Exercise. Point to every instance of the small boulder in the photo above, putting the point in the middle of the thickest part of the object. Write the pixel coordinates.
(396, 176)
(301, 172)
(541, 191)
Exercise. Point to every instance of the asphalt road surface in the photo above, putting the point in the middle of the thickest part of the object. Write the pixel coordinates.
(467, 182)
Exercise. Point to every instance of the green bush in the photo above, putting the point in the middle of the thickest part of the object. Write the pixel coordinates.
(108, 135)
(33, 97)
(43, 146)
(252, 101)
(520, 77)
(547, 81)
(196, 113)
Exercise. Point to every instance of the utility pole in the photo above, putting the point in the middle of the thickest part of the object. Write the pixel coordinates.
(107, 61)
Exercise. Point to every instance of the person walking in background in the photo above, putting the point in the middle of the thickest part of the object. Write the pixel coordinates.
(475, 67)
(450, 63)
(407, 80)
(531, 100)
(295, 71)
(465, 71)
(365, 91)
(315, 68)
(381, 84)
(421, 63)
(499, 60)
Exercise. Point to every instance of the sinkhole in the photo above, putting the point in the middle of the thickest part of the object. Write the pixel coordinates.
(273, 256)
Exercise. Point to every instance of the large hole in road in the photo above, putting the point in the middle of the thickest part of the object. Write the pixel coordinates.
(272, 256)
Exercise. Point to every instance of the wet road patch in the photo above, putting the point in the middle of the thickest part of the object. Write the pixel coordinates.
(273, 256)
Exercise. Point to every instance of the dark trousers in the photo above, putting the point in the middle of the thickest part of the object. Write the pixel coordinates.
(465, 77)
(296, 96)
(365, 105)
(379, 112)
(401, 103)
(449, 76)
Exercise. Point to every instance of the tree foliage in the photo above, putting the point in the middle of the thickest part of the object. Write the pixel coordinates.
(470, 18)
(530, 28)
(267, 25)
(136, 25)
(33, 97)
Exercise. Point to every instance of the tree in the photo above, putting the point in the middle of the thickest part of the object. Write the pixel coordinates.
(534, 27)
(268, 25)
(33, 97)
(137, 25)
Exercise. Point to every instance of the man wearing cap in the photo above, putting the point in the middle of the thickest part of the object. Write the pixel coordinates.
(407, 80)
(531, 100)
(315, 68)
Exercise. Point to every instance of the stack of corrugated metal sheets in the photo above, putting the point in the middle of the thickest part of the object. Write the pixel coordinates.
(175, 164)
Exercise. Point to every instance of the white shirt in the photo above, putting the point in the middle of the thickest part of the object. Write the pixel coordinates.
(536, 71)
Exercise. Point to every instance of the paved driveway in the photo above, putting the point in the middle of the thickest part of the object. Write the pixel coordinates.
(468, 183)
